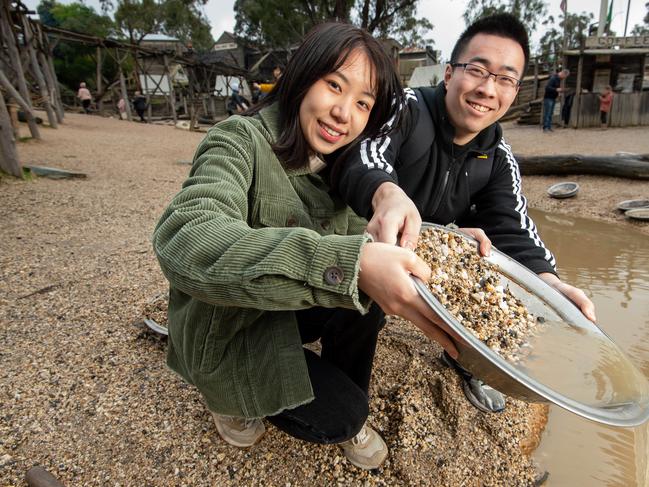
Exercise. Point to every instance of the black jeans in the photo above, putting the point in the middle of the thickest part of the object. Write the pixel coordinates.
(340, 376)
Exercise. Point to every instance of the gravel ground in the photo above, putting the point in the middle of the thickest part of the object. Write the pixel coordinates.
(84, 391)
(598, 196)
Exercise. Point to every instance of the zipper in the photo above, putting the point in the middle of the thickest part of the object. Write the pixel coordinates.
(444, 187)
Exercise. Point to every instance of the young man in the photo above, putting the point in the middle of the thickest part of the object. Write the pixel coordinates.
(449, 156)
(552, 90)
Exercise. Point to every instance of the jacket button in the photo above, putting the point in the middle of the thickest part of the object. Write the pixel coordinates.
(334, 275)
(325, 224)
(291, 221)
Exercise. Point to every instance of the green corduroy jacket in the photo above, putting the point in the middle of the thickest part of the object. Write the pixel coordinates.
(244, 244)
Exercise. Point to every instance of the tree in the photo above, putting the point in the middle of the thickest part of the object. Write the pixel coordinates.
(551, 43)
(177, 18)
(137, 18)
(530, 12)
(282, 23)
(639, 29)
(74, 62)
(183, 20)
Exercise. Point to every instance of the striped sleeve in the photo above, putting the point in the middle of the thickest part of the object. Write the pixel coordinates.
(372, 162)
(525, 222)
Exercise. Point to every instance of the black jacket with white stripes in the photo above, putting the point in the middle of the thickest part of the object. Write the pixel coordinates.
(475, 185)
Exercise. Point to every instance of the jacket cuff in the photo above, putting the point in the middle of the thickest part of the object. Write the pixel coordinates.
(334, 272)
(539, 266)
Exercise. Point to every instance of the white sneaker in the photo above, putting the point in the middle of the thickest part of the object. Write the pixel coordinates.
(366, 450)
(239, 432)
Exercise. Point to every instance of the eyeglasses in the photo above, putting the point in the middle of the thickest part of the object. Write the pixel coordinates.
(479, 74)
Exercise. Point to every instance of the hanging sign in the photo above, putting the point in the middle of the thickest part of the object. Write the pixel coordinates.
(609, 41)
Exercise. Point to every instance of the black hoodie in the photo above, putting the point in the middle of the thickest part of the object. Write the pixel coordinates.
(475, 185)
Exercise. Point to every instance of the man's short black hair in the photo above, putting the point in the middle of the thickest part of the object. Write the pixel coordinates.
(503, 25)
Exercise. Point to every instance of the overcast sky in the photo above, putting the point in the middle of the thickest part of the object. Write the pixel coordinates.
(445, 15)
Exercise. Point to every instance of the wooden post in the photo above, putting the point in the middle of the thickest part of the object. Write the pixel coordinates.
(576, 105)
(7, 32)
(13, 114)
(50, 75)
(145, 91)
(57, 90)
(11, 91)
(38, 74)
(122, 84)
(535, 90)
(172, 95)
(100, 94)
(8, 156)
(58, 110)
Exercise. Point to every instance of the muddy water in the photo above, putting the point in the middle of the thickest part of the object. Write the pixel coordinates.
(611, 264)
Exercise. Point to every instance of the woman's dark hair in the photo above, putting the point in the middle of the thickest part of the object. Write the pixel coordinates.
(324, 50)
(502, 25)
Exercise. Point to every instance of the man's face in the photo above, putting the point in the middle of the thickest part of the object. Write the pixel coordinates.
(474, 104)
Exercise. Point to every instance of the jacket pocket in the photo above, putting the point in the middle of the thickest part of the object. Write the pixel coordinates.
(281, 215)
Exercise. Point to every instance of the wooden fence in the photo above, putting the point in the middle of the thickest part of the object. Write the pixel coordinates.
(629, 109)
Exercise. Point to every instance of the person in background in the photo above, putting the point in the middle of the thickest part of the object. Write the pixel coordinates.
(139, 103)
(262, 257)
(236, 102)
(86, 98)
(605, 102)
(121, 108)
(255, 93)
(450, 157)
(552, 90)
(267, 87)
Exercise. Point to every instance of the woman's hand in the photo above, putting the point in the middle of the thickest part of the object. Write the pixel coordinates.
(385, 276)
(573, 293)
(394, 214)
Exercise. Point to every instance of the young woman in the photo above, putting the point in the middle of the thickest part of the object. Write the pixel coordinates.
(262, 258)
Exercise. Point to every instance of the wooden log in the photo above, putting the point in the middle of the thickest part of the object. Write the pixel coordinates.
(50, 75)
(51, 87)
(57, 92)
(13, 115)
(11, 91)
(7, 34)
(8, 156)
(616, 166)
(38, 73)
(100, 103)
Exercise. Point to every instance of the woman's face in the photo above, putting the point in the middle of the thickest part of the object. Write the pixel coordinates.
(337, 107)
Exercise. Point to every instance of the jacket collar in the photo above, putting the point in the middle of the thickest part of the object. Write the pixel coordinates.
(269, 117)
(485, 143)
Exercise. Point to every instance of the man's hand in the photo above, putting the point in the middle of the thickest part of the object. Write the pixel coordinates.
(385, 276)
(394, 213)
(484, 244)
(575, 295)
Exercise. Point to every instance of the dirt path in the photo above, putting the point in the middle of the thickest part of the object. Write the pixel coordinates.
(83, 387)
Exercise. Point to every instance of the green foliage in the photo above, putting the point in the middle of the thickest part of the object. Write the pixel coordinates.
(530, 12)
(177, 18)
(551, 43)
(282, 23)
(137, 18)
(74, 62)
(186, 22)
(275, 23)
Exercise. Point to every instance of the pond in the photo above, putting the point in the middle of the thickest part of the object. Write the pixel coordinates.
(611, 264)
